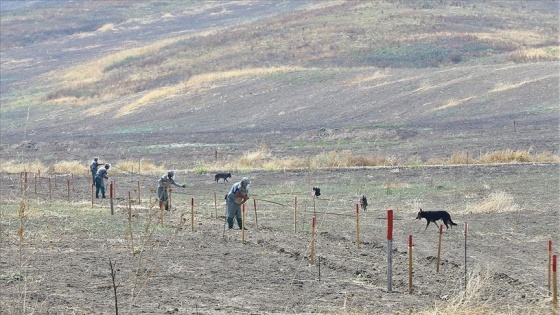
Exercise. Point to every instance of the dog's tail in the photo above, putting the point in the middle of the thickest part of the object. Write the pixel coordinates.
(451, 222)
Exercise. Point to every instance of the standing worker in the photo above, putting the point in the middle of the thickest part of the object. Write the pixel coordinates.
(164, 183)
(93, 168)
(238, 194)
(99, 180)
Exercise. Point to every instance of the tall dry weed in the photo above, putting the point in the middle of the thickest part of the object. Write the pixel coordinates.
(253, 159)
(506, 156)
(12, 166)
(68, 167)
(477, 299)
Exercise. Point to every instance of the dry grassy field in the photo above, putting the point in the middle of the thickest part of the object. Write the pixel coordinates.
(57, 255)
(439, 105)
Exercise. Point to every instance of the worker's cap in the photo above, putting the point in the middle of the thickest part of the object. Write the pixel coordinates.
(246, 180)
(107, 165)
(171, 173)
(95, 158)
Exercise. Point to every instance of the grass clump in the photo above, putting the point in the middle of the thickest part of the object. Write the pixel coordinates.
(496, 202)
(512, 156)
(478, 298)
(12, 166)
(68, 167)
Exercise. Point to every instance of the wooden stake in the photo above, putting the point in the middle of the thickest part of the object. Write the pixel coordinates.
(139, 198)
(111, 196)
(439, 247)
(256, 218)
(92, 195)
(410, 264)
(466, 232)
(357, 226)
(161, 205)
(25, 186)
(169, 196)
(243, 225)
(312, 253)
(129, 204)
(192, 214)
(50, 189)
(68, 185)
(295, 215)
(215, 206)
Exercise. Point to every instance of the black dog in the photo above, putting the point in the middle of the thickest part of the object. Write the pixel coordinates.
(223, 176)
(433, 216)
(363, 202)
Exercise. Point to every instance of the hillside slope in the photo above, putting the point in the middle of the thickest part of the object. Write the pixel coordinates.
(131, 80)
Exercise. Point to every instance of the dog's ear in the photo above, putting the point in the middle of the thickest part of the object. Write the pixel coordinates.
(420, 209)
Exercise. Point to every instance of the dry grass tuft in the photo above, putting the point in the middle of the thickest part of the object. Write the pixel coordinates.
(476, 299)
(496, 202)
(506, 156)
(208, 78)
(254, 158)
(68, 167)
(550, 53)
(18, 167)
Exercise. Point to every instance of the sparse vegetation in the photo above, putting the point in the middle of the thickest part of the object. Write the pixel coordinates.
(263, 158)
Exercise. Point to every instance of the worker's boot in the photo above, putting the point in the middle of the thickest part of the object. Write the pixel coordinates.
(167, 206)
(230, 223)
(240, 223)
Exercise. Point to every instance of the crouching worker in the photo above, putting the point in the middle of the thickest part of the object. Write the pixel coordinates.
(238, 194)
(100, 177)
(164, 183)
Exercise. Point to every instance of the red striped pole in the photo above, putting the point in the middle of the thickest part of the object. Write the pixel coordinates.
(549, 275)
(389, 250)
(554, 286)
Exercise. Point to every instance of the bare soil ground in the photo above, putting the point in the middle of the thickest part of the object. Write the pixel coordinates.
(62, 263)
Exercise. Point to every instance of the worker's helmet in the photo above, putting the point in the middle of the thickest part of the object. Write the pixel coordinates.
(107, 165)
(170, 174)
(246, 180)
(96, 159)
